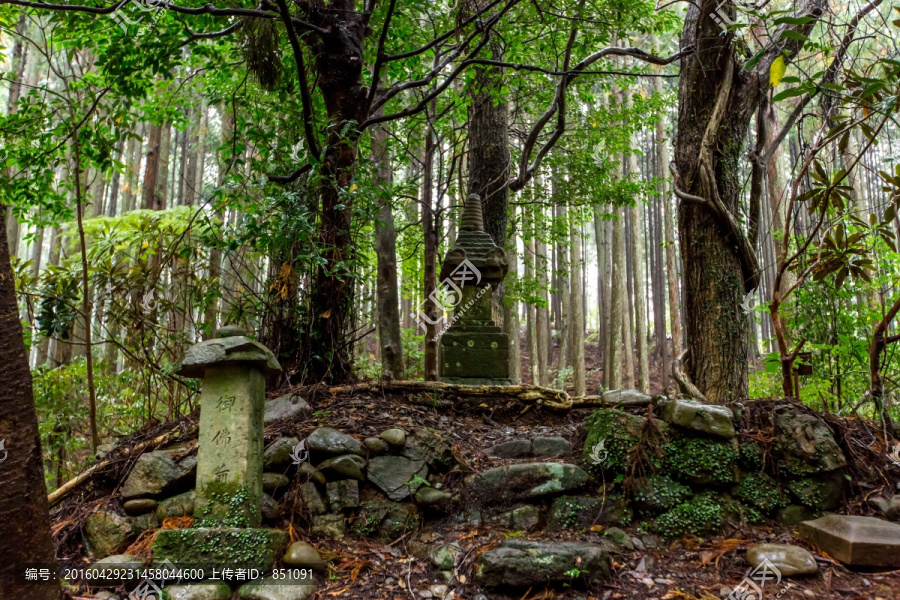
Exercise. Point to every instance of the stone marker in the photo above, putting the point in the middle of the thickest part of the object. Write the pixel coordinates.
(854, 540)
(473, 349)
(229, 493)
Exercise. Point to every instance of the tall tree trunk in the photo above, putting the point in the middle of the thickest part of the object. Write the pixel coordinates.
(511, 310)
(386, 252)
(640, 289)
(429, 271)
(577, 308)
(151, 199)
(563, 273)
(24, 511)
(613, 369)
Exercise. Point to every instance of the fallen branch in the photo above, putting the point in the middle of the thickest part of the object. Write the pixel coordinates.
(67, 488)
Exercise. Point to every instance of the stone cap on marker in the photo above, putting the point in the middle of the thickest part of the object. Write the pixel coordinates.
(231, 345)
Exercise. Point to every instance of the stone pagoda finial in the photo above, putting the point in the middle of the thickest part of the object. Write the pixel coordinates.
(472, 218)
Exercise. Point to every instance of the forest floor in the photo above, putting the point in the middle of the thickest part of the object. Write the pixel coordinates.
(688, 568)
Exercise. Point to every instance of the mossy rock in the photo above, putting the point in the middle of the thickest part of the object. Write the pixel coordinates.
(211, 547)
(819, 492)
(658, 493)
(700, 460)
(760, 491)
(387, 520)
(582, 512)
(804, 444)
(618, 432)
(702, 514)
(751, 457)
(181, 505)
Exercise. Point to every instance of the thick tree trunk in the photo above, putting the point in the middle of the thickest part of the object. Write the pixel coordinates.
(429, 263)
(386, 252)
(24, 511)
(151, 199)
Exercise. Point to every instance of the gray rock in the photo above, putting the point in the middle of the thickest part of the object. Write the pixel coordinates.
(511, 449)
(395, 475)
(329, 526)
(524, 518)
(890, 507)
(551, 446)
(788, 559)
(326, 441)
(621, 538)
(625, 396)
(274, 482)
(343, 467)
(375, 445)
(439, 590)
(104, 449)
(117, 561)
(440, 501)
(227, 350)
(710, 419)
(525, 480)
(519, 563)
(277, 457)
(286, 407)
(144, 522)
(139, 506)
(387, 520)
(394, 437)
(310, 473)
(304, 555)
(444, 556)
(819, 492)
(856, 541)
(270, 588)
(198, 591)
(159, 473)
(429, 446)
(181, 505)
(107, 533)
(804, 444)
(580, 512)
(343, 494)
(793, 514)
(312, 499)
(271, 510)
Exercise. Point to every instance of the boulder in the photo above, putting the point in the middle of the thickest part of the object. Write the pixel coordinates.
(278, 456)
(520, 563)
(429, 446)
(889, 506)
(396, 475)
(274, 482)
(551, 446)
(139, 506)
(788, 559)
(856, 541)
(181, 505)
(523, 518)
(329, 526)
(312, 499)
(197, 591)
(443, 557)
(819, 492)
(271, 510)
(626, 396)
(387, 520)
(375, 445)
(144, 522)
(657, 493)
(159, 473)
(710, 419)
(524, 481)
(348, 466)
(429, 498)
(310, 473)
(325, 442)
(804, 444)
(611, 437)
(286, 407)
(270, 588)
(395, 437)
(304, 555)
(511, 449)
(107, 533)
(343, 494)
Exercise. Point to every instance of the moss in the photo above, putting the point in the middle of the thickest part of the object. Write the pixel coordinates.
(702, 514)
(218, 546)
(657, 493)
(581, 512)
(822, 492)
(751, 457)
(619, 433)
(760, 491)
(701, 460)
(227, 505)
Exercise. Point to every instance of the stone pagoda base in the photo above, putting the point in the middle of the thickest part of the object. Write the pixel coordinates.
(475, 356)
(219, 547)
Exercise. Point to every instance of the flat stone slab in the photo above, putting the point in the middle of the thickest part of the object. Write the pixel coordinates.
(216, 546)
(519, 563)
(526, 480)
(396, 475)
(854, 540)
(159, 473)
(705, 418)
(788, 559)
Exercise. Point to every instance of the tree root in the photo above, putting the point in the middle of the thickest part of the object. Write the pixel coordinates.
(684, 381)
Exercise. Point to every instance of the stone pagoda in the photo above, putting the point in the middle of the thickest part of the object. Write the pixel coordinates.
(473, 349)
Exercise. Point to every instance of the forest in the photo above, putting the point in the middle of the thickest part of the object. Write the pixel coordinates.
(650, 246)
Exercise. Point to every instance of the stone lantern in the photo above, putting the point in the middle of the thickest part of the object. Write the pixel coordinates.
(473, 350)
(228, 507)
